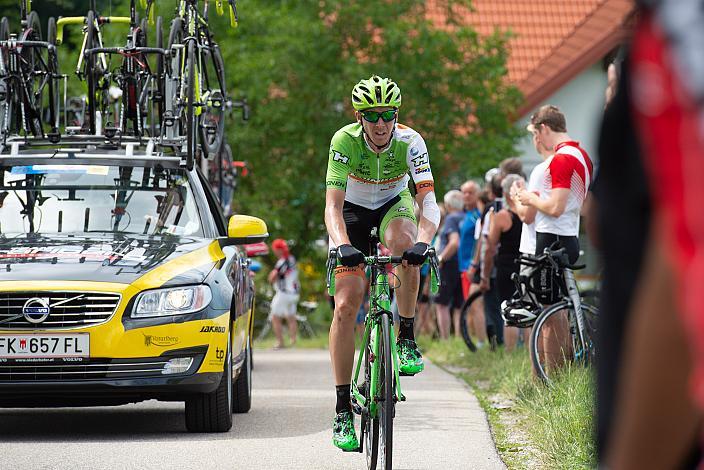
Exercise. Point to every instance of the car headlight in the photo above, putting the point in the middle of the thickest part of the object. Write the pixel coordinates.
(172, 301)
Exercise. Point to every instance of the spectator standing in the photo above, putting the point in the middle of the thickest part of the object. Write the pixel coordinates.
(284, 278)
(449, 299)
(527, 213)
(492, 306)
(503, 244)
(564, 187)
(472, 219)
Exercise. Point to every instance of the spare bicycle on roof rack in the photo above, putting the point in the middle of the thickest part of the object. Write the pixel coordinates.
(169, 100)
(28, 67)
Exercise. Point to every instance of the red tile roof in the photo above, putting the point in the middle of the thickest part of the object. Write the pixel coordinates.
(551, 41)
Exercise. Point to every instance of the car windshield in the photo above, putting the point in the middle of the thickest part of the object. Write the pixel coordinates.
(69, 199)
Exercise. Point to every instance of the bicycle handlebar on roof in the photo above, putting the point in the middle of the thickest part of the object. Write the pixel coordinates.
(81, 20)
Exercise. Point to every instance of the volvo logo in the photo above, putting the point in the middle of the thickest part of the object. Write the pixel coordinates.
(36, 310)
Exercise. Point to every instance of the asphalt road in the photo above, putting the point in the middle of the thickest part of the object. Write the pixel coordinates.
(440, 426)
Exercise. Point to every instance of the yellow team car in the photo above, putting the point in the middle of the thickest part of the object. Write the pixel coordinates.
(120, 281)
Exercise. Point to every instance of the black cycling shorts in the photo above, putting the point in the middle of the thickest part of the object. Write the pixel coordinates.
(548, 278)
(360, 220)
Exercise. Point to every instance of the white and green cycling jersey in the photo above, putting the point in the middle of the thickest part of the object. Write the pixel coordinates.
(372, 179)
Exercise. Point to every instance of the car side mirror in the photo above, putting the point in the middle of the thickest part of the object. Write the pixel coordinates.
(243, 230)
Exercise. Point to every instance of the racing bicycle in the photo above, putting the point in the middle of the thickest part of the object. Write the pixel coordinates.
(195, 86)
(28, 68)
(378, 388)
(564, 331)
(141, 87)
(92, 68)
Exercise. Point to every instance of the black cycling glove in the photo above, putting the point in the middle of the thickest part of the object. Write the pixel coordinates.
(349, 256)
(418, 254)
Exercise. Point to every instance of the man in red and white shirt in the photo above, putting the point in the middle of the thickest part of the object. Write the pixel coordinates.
(562, 189)
(563, 184)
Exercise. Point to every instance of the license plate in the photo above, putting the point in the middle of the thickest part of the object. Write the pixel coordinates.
(44, 346)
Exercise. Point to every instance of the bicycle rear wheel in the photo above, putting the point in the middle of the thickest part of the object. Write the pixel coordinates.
(8, 98)
(54, 80)
(212, 119)
(173, 84)
(191, 123)
(90, 72)
(465, 319)
(387, 403)
(553, 341)
(34, 70)
(159, 99)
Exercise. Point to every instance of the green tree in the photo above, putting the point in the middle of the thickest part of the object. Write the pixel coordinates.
(297, 61)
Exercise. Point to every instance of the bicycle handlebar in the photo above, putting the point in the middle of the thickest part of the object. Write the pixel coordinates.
(13, 43)
(80, 20)
(382, 261)
(550, 256)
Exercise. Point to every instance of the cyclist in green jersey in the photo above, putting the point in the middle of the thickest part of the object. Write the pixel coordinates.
(367, 185)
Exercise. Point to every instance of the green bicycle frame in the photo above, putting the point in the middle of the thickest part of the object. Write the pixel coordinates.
(379, 302)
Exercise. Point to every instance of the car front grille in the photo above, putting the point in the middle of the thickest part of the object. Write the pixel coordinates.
(66, 309)
(87, 369)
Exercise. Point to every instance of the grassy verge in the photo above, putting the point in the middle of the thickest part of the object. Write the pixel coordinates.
(534, 426)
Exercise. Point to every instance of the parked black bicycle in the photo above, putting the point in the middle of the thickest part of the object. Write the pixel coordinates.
(28, 69)
(563, 331)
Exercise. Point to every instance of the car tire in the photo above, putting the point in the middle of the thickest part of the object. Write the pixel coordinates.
(243, 385)
(212, 412)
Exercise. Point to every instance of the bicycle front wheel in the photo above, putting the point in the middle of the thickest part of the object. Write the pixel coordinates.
(554, 340)
(465, 318)
(212, 126)
(387, 403)
(370, 426)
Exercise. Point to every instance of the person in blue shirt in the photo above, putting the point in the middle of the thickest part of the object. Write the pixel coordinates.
(449, 299)
(470, 193)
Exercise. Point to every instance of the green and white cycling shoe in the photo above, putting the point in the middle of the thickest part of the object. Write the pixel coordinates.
(409, 356)
(343, 434)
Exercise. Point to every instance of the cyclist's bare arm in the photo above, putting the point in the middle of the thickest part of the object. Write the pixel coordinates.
(426, 227)
(334, 221)
(492, 243)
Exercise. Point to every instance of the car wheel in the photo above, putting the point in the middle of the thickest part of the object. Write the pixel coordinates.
(212, 412)
(243, 385)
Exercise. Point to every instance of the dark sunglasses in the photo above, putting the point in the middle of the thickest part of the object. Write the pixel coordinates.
(373, 116)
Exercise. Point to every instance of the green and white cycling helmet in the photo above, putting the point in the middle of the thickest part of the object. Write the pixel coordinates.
(376, 91)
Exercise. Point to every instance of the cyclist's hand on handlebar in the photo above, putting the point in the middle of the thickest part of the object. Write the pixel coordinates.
(349, 256)
(417, 254)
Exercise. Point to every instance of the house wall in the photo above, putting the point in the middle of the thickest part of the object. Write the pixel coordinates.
(582, 101)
